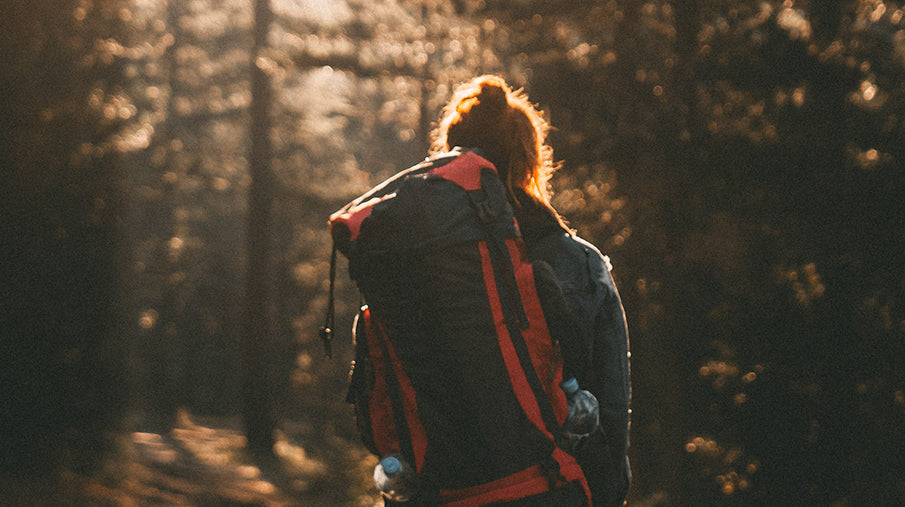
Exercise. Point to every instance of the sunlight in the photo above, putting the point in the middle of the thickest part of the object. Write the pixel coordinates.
(148, 319)
(868, 90)
(806, 283)
(262, 487)
(798, 97)
(204, 22)
(794, 21)
(868, 159)
(730, 469)
(323, 13)
(176, 243)
(297, 459)
(249, 471)
(878, 12)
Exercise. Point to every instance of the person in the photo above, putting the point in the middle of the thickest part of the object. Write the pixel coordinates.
(487, 116)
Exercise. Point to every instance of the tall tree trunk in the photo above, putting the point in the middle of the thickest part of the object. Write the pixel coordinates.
(260, 319)
(668, 344)
(424, 113)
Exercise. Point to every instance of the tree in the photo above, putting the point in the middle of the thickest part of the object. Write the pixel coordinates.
(63, 202)
(261, 319)
(730, 158)
(188, 208)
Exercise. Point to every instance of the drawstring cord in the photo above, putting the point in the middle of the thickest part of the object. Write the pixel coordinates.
(326, 331)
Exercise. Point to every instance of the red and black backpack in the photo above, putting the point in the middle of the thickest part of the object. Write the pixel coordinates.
(455, 367)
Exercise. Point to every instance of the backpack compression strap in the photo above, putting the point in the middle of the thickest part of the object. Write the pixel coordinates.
(510, 282)
(326, 332)
(410, 437)
(559, 468)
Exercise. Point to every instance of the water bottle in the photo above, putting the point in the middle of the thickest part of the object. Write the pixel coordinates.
(584, 411)
(395, 478)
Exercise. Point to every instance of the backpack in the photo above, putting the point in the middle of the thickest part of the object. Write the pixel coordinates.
(455, 368)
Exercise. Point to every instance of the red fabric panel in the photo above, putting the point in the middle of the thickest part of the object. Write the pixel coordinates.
(537, 338)
(410, 405)
(520, 485)
(464, 171)
(530, 481)
(353, 217)
(519, 382)
(482, 489)
(380, 408)
(571, 471)
(537, 335)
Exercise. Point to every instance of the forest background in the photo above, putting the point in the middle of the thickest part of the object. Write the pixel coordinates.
(168, 168)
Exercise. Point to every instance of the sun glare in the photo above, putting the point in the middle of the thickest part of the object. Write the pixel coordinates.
(323, 13)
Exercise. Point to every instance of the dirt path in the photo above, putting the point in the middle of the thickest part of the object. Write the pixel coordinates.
(199, 466)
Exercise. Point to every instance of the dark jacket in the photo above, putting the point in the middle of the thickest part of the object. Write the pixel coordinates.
(584, 276)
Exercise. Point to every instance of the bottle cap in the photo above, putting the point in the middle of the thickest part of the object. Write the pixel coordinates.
(570, 386)
(391, 465)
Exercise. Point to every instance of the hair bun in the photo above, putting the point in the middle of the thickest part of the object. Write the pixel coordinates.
(493, 96)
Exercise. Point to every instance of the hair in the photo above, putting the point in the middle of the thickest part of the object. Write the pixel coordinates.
(507, 129)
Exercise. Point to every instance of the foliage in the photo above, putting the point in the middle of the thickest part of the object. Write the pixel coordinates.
(751, 222)
(65, 118)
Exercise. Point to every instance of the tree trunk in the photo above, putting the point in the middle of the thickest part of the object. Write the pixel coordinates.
(260, 318)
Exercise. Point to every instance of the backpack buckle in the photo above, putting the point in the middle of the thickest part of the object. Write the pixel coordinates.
(482, 209)
(551, 470)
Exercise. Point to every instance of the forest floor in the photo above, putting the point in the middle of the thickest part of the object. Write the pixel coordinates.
(195, 465)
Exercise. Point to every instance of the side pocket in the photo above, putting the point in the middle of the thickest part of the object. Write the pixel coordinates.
(361, 383)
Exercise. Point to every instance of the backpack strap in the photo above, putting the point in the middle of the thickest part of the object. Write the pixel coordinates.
(395, 394)
(502, 256)
(518, 357)
(501, 260)
(508, 293)
(532, 481)
(326, 331)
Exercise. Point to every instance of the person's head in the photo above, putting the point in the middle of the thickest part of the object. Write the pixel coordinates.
(487, 115)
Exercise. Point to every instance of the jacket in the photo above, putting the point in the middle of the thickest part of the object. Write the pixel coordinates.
(584, 275)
